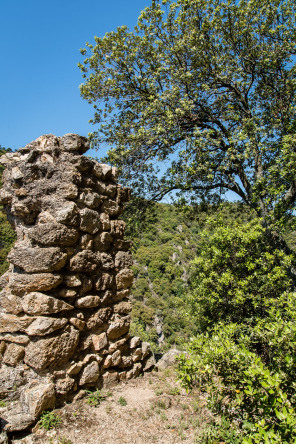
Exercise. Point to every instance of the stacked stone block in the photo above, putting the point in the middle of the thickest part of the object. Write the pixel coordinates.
(64, 307)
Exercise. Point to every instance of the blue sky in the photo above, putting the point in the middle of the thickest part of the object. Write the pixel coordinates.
(39, 51)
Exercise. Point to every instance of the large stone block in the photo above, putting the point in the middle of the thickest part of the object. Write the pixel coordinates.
(90, 373)
(90, 221)
(42, 326)
(53, 351)
(20, 283)
(10, 323)
(51, 234)
(85, 262)
(37, 303)
(124, 279)
(34, 260)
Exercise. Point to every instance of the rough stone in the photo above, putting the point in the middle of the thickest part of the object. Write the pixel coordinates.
(117, 344)
(23, 283)
(84, 261)
(135, 341)
(66, 293)
(105, 221)
(135, 371)
(99, 341)
(18, 420)
(65, 213)
(87, 302)
(110, 379)
(11, 323)
(126, 361)
(149, 364)
(106, 189)
(112, 208)
(120, 244)
(137, 355)
(102, 171)
(86, 285)
(103, 241)
(168, 359)
(124, 307)
(90, 373)
(117, 228)
(68, 190)
(15, 338)
(104, 281)
(90, 199)
(42, 326)
(124, 279)
(99, 318)
(39, 397)
(72, 280)
(123, 259)
(10, 303)
(146, 349)
(78, 323)
(118, 328)
(90, 221)
(75, 368)
(36, 303)
(106, 261)
(74, 142)
(53, 234)
(34, 260)
(86, 242)
(14, 353)
(53, 351)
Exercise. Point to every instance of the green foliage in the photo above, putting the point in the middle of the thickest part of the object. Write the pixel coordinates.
(95, 398)
(122, 401)
(220, 430)
(236, 275)
(244, 356)
(162, 253)
(49, 420)
(208, 88)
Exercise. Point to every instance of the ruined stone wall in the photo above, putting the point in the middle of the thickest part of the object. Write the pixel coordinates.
(64, 308)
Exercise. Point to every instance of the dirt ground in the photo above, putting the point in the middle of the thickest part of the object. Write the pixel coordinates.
(149, 409)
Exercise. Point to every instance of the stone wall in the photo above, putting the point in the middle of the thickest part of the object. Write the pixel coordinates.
(64, 308)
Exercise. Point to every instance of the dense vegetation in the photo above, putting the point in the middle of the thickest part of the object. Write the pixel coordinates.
(163, 250)
(208, 88)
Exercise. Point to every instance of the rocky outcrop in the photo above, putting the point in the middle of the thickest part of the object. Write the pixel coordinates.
(64, 307)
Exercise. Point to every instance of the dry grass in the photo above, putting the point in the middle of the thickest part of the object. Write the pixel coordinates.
(150, 409)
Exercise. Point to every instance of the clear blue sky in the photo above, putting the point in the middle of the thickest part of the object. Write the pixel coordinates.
(39, 51)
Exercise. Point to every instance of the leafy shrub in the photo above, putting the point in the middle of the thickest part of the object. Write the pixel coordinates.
(94, 398)
(236, 275)
(49, 420)
(122, 401)
(244, 357)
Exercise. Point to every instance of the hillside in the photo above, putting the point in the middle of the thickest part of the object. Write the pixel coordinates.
(162, 255)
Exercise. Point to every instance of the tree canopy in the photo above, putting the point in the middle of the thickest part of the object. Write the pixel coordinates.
(208, 88)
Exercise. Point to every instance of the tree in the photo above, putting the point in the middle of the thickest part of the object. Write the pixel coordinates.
(207, 86)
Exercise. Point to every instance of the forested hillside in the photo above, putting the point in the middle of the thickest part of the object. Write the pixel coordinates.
(163, 251)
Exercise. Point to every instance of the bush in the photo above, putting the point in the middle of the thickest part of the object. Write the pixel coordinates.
(244, 357)
(236, 275)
